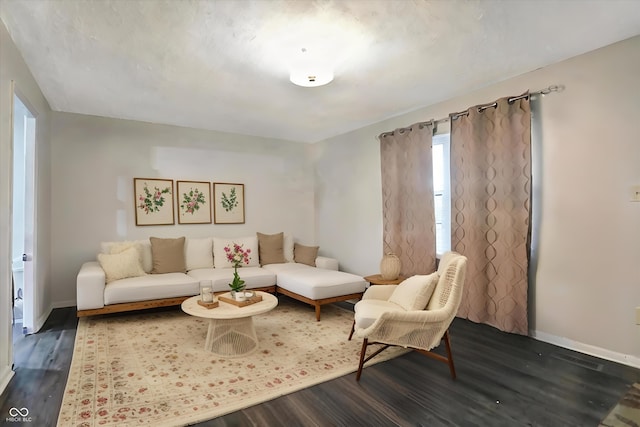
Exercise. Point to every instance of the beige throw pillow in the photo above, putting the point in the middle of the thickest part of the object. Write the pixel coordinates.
(305, 254)
(121, 265)
(271, 248)
(168, 255)
(414, 292)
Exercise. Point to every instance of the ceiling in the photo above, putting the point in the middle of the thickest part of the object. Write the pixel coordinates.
(224, 65)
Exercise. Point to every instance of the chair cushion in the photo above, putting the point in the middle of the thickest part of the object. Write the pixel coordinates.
(368, 311)
(414, 292)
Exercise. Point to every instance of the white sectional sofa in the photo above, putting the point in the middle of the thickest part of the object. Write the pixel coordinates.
(161, 272)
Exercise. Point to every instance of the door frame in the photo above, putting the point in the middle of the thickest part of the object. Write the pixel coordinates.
(30, 288)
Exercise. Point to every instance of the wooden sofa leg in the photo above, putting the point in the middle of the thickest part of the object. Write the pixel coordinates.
(362, 353)
(447, 343)
(317, 312)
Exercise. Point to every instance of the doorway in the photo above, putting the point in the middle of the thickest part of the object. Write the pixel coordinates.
(23, 217)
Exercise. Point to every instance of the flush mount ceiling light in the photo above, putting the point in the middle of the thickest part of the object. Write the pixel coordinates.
(311, 78)
(308, 72)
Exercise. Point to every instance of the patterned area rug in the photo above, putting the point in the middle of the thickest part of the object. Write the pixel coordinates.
(151, 368)
(627, 412)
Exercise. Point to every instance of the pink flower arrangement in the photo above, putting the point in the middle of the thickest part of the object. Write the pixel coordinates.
(236, 256)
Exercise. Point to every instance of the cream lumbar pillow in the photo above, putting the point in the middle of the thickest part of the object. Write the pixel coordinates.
(305, 254)
(121, 265)
(168, 255)
(414, 292)
(271, 248)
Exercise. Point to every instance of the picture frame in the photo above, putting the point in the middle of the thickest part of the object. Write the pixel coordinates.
(153, 201)
(228, 203)
(193, 202)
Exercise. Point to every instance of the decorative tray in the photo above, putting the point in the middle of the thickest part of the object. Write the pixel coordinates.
(252, 300)
(208, 304)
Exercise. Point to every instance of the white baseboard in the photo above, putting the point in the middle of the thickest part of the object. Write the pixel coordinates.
(41, 319)
(602, 353)
(63, 304)
(5, 376)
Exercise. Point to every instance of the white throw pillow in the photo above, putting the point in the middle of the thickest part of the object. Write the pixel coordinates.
(414, 293)
(287, 247)
(121, 265)
(199, 253)
(143, 246)
(220, 257)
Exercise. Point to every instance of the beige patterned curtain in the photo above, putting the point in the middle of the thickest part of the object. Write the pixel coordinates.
(407, 197)
(490, 211)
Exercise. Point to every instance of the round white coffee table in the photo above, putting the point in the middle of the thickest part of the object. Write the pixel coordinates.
(231, 332)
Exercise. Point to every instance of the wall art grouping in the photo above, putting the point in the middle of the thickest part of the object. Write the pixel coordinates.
(154, 202)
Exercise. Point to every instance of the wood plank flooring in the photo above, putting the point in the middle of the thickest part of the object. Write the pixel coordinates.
(503, 380)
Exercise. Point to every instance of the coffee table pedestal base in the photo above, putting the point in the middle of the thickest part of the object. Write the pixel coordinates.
(231, 337)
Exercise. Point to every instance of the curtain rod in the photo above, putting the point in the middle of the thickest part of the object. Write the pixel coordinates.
(434, 123)
(543, 92)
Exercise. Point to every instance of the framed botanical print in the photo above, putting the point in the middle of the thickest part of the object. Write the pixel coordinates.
(153, 201)
(194, 202)
(228, 203)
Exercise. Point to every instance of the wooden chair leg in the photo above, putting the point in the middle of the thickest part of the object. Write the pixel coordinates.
(362, 353)
(353, 328)
(317, 312)
(447, 343)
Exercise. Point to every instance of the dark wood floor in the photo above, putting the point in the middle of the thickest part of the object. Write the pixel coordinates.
(503, 380)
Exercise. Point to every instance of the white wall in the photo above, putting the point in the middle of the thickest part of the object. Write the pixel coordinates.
(95, 160)
(587, 281)
(13, 68)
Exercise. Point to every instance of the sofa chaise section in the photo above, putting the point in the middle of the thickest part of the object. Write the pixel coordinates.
(315, 285)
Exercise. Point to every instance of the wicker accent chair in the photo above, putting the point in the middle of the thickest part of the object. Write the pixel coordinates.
(379, 319)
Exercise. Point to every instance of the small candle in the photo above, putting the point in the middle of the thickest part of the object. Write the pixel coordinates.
(207, 296)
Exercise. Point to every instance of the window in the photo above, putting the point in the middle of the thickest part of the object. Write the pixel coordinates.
(442, 192)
